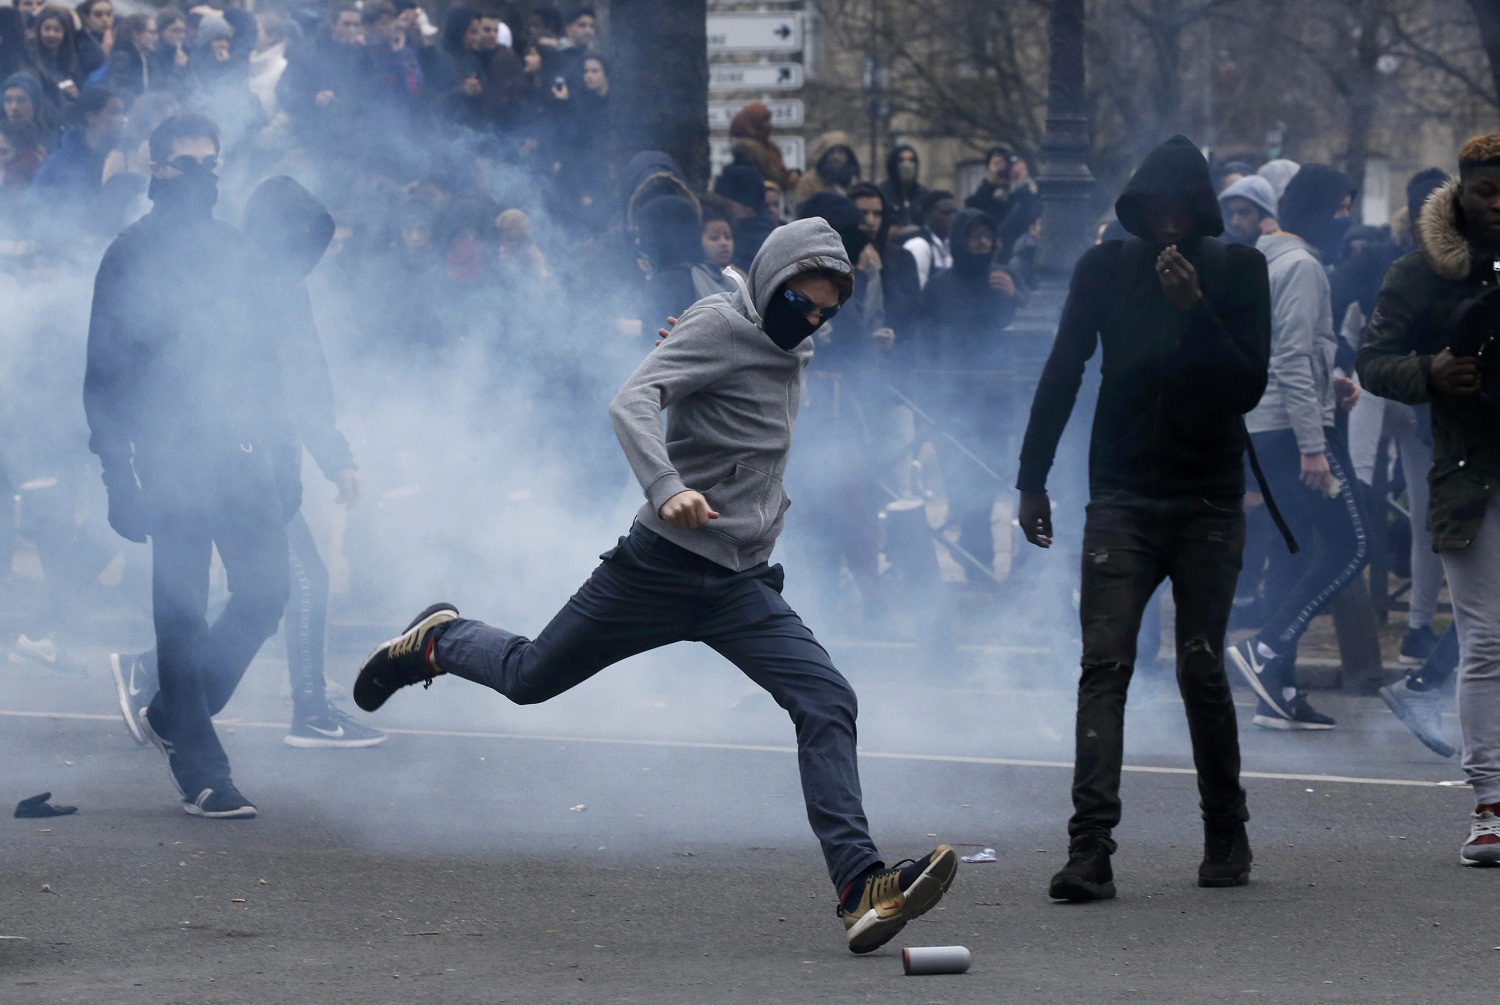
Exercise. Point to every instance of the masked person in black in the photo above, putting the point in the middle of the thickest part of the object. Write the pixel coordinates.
(286, 232)
(187, 413)
(969, 306)
(1185, 323)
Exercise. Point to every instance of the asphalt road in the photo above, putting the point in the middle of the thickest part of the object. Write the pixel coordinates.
(642, 840)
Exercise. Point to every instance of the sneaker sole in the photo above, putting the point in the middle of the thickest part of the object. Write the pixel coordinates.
(871, 931)
(364, 688)
(328, 743)
(243, 813)
(122, 695)
(1411, 661)
(1489, 859)
(1243, 879)
(1251, 678)
(1077, 891)
(1399, 709)
(1271, 722)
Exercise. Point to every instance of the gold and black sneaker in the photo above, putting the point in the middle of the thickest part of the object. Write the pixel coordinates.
(405, 659)
(879, 907)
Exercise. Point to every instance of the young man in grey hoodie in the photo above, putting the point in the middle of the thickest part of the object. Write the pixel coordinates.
(1305, 458)
(694, 564)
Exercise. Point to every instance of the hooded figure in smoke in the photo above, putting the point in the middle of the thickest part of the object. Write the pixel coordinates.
(1185, 325)
(694, 565)
(187, 412)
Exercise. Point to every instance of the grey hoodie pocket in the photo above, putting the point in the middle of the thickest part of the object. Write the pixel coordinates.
(751, 504)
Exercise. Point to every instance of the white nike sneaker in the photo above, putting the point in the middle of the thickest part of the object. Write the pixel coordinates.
(47, 653)
(331, 728)
(135, 686)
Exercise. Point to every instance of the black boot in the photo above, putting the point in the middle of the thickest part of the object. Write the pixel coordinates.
(1087, 876)
(1226, 856)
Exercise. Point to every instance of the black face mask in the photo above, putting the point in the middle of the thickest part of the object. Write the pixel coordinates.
(194, 191)
(787, 326)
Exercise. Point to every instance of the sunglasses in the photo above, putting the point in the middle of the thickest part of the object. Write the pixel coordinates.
(803, 305)
(184, 163)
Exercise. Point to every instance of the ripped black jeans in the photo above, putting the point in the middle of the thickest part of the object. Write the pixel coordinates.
(1130, 544)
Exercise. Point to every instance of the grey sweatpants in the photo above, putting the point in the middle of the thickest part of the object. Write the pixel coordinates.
(1474, 583)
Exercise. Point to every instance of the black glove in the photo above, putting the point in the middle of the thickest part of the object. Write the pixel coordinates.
(128, 514)
(1475, 324)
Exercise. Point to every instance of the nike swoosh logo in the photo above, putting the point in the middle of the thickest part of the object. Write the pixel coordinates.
(332, 734)
(132, 688)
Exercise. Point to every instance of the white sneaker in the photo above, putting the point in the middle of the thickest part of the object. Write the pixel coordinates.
(47, 653)
(1261, 674)
(135, 686)
(1422, 713)
(1483, 846)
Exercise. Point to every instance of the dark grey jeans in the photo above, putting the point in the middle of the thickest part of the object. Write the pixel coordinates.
(1130, 544)
(647, 593)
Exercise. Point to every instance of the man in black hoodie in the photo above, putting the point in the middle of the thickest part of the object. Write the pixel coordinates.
(187, 412)
(1185, 322)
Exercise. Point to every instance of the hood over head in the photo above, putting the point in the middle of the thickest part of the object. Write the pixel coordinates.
(650, 175)
(839, 164)
(842, 215)
(1419, 187)
(669, 231)
(287, 228)
(1176, 169)
(965, 262)
(1255, 190)
(743, 184)
(894, 159)
(1279, 173)
(753, 122)
(795, 248)
(1308, 206)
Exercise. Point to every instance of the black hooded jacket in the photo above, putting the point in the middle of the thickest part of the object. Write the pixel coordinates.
(965, 315)
(287, 230)
(1175, 382)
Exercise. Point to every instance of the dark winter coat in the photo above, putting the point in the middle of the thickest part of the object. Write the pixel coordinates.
(1175, 383)
(1410, 325)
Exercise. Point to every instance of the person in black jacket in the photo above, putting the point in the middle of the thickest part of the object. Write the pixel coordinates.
(286, 231)
(1185, 323)
(187, 413)
(969, 306)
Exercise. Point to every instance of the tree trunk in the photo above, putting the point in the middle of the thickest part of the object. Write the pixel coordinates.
(1487, 14)
(659, 81)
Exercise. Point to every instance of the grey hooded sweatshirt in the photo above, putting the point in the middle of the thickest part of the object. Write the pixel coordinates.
(731, 397)
(1299, 395)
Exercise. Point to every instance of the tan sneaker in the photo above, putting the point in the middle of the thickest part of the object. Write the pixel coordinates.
(405, 659)
(892, 897)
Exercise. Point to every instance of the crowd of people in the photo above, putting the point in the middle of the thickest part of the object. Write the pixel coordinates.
(452, 181)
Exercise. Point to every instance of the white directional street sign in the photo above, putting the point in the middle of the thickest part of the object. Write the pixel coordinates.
(755, 32)
(786, 113)
(793, 152)
(755, 77)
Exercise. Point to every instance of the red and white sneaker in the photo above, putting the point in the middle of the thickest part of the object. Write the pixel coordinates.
(1483, 846)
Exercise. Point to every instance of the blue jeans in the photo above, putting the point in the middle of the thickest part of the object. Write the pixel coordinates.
(649, 593)
(1130, 544)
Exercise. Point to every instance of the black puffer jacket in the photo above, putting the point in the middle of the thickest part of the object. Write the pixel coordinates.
(1175, 382)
